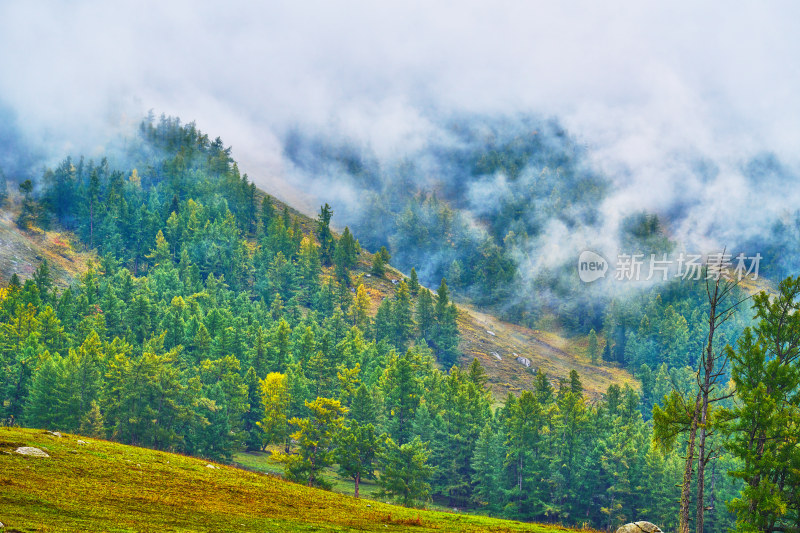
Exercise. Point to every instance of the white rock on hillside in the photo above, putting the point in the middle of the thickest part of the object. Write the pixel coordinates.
(639, 527)
(30, 450)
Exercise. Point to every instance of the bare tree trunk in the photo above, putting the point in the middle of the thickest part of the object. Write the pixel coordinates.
(705, 390)
(686, 486)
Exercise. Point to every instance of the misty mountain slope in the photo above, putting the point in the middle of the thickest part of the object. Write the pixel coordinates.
(479, 200)
(486, 337)
(165, 146)
(502, 205)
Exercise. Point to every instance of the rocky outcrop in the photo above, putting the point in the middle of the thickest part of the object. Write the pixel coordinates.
(639, 527)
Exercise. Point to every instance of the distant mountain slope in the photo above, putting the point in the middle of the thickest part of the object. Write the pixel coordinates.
(503, 348)
(21, 252)
(94, 485)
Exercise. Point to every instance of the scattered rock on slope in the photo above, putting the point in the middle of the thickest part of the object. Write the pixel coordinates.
(524, 361)
(30, 450)
(639, 527)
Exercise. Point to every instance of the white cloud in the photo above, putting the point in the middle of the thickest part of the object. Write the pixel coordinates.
(642, 83)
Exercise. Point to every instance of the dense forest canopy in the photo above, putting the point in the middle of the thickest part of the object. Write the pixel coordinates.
(219, 320)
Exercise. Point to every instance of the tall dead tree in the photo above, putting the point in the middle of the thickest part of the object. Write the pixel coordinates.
(689, 413)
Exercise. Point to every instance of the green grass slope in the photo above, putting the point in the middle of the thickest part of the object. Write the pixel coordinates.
(103, 486)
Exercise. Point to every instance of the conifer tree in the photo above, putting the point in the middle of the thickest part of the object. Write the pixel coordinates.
(413, 282)
(384, 327)
(764, 422)
(425, 317)
(255, 412)
(361, 318)
(47, 401)
(92, 423)
(350, 248)
(378, 266)
(44, 281)
(593, 347)
(445, 333)
(405, 473)
(362, 409)
(275, 401)
(402, 321)
(357, 449)
(402, 391)
(267, 212)
(324, 235)
(340, 263)
(315, 438)
(280, 353)
(487, 462)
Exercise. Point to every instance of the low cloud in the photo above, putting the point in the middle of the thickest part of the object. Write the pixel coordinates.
(672, 102)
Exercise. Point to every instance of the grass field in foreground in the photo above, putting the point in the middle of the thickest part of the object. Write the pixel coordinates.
(104, 486)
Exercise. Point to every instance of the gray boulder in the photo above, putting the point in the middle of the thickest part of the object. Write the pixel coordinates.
(524, 361)
(30, 450)
(639, 527)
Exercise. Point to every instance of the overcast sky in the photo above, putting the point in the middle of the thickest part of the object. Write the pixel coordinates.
(636, 81)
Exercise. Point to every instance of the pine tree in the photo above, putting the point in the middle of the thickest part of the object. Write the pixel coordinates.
(525, 458)
(378, 266)
(267, 212)
(315, 437)
(425, 315)
(402, 321)
(350, 248)
(575, 385)
(593, 349)
(47, 401)
(405, 471)
(360, 310)
(362, 409)
(280, 353)
(309, 269)
(161, 255)
(402, 391)
(340, 262)
(413, 282)
(357, 449)
(255, 412)
(763, 427)
(44, 281)
(487, 462)
(384, 326)
(29, 211)
(92, 424)
(275, 402)
(384, 253)
(445, 333)
(324, 235)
